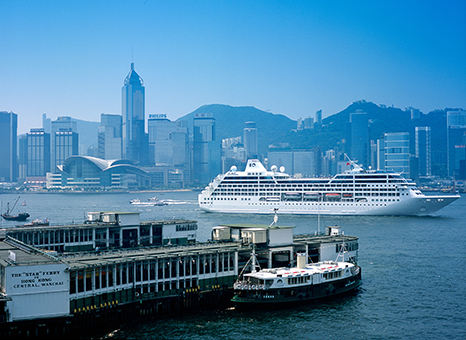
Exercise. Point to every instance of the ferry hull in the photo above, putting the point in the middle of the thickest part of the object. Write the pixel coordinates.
(294, 295)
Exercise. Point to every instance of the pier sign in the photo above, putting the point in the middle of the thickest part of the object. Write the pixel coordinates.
(36, 279)
(37, 291)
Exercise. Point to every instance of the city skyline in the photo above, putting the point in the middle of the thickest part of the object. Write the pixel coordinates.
(288, 58)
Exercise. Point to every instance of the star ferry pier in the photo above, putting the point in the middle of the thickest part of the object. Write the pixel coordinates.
(80, 287)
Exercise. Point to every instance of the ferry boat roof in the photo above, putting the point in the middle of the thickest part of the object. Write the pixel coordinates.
(306, 239)
(309, 269)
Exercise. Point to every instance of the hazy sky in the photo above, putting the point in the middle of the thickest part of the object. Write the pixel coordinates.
(69, 58)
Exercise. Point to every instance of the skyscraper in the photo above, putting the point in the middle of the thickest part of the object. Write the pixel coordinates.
(423, 150)
(207, 149)
(397, 152)
(23, 156)
(8, 146)
(135, 141)
(65, 145)
(61, 124)
(456, 129)
(359, 139)
(250, 140)
(38, 153)
(168, 141)
(109, 136)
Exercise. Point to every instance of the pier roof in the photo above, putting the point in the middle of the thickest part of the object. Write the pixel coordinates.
(17, 253)
(95, 225)
(87, 260)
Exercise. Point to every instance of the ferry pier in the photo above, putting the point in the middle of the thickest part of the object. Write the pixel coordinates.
(47, 291)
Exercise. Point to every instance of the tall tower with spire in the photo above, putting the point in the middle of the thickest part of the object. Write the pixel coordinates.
(135, 141)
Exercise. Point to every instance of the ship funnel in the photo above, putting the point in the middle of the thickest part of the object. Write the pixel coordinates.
(301, 260)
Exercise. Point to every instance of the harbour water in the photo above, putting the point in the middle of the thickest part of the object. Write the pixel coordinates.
(413, 268)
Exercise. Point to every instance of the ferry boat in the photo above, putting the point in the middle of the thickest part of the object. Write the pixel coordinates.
(301, 284)
(355, 192)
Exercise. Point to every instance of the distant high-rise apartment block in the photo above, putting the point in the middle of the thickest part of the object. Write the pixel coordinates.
(299, 124)
(319, 117)
(359, 137)
(423, 150)
(8, 149)
(206, 149)
(109, 140)
(308, 123)
(456, 130)
(397, 152)
(38, 153)
(135, 142)
(415, 113)
(251, 140)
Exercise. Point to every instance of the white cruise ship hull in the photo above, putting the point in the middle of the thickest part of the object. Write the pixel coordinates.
(416, 206)
(356, 192)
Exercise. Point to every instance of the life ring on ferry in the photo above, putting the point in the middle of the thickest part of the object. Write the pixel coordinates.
(253, 287)
(136, 294)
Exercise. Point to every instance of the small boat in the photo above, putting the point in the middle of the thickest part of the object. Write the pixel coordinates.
(36, 223)
(304, 283)
(137, 201)
(19, 218)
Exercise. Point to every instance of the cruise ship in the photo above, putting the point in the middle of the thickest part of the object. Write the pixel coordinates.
(355, 192)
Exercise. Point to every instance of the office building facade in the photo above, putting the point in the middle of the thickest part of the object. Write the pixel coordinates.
(359, 138)
(38, 154)
(66, 144)
(397, 153)
(251, 140)
(109, 140)
(423, 150)
(168, 141)
(206, 149)
(60, 124)
(456, 131)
